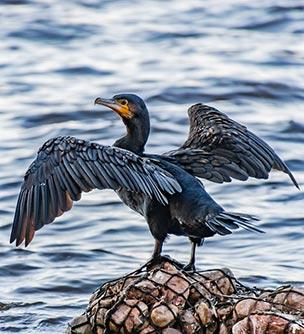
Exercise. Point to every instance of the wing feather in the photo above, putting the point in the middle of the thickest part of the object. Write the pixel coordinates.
(212, 136)
(66, 166)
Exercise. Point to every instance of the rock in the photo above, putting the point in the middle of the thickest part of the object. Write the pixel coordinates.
(165, 299)
(204, 313)
(224, 312)
(131, 315)
(79, 325)
(176, 291)
(171, 331)
(197, 290)
(115, 288)
(144, 290)
(101, 303)
(217, 282)
(163, 315)
(248, 306)
(188, 322)
(99, 317)
(94, 296)
(261, 324)
(160, 277)
(170, 267)
(148, 330)
(291, 297)
(223, 329)
(174, 284)
(296, 329)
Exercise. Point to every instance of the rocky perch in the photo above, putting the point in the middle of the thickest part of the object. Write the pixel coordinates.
(165, 299)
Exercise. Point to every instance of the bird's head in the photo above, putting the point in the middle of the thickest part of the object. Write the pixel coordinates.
(134, 114)
(127, 106)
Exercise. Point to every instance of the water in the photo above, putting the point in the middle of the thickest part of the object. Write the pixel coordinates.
(56, 57)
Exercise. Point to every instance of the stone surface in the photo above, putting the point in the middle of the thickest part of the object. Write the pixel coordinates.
(165, 299)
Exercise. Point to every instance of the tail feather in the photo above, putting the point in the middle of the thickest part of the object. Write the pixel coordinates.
(228, 223)
(243, 221)
(242, 216)
(218, 227)
(223, 222)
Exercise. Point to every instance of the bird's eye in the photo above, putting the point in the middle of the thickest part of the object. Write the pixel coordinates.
(123, 102)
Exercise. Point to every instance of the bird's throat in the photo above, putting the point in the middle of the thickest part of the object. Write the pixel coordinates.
(136, 137)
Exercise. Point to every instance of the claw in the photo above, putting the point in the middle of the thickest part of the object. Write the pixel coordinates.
(167, 258)
(157, 260)
(189, 267)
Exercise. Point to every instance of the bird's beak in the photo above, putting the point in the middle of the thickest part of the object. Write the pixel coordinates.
(122, 110)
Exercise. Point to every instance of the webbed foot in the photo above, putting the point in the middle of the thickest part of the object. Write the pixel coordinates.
(189, 267)
(157, 260)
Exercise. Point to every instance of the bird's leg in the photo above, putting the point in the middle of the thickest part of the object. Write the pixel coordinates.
(156, 255)
(157, 258)
(158, 246)
(191, 265)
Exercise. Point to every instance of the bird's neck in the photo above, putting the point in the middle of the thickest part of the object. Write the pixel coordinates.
(136, 137)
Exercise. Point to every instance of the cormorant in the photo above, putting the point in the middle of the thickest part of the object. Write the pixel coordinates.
(162, 188)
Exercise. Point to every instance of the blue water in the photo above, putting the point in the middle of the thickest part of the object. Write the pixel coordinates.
(245, 58)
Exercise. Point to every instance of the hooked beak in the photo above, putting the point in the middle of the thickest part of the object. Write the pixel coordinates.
(122, 110)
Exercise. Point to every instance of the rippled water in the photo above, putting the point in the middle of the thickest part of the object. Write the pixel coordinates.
(56, 56)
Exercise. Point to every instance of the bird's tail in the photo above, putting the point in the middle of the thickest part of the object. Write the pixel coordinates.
(224, 222)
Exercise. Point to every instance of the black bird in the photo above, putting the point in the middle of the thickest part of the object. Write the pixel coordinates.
(162, 188)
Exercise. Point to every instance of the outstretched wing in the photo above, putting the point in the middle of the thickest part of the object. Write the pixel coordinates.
(66, 166)
(218, 149)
